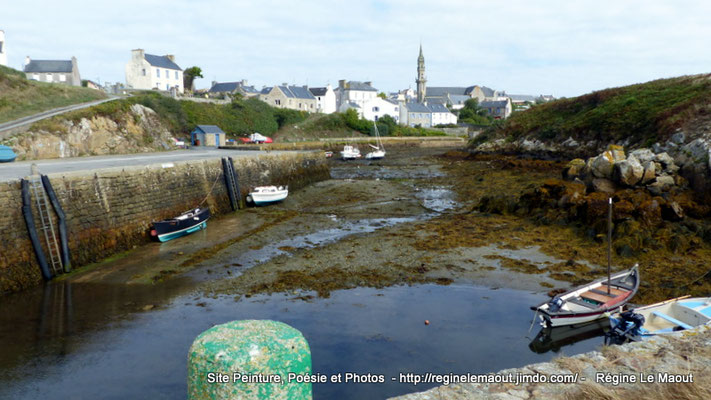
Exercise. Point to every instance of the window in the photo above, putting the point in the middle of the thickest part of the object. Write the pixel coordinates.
(167, 74)
(376, 109)
(176, 75)
(277, 102)
(48, 77)
(157, 73)
(62, 78)
(143, 71)
(299, 106)
(35, 77)
(167, 86)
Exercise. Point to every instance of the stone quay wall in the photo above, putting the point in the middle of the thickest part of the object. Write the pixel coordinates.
(110, 210)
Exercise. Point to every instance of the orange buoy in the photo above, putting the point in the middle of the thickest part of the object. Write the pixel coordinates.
(427, 322)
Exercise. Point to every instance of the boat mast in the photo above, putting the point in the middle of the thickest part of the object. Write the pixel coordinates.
(609, 242)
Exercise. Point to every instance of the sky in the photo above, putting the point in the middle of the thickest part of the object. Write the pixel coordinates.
(563, 48)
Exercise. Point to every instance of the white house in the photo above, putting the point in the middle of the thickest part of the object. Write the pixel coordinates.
(3, 51)
(375, 108)
(354, 92)
(325, 99)
(147, 71)
(56, 71)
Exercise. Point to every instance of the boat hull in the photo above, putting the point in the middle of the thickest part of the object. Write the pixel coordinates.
(266, 198)
(590, 302)
(6, 154)
(671, 316)
(185, 224)
(375, 155)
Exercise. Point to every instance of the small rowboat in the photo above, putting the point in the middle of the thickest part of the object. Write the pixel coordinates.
(590, 302)
(673, 315)
(6, 154)
(263, 195)
(184, 224)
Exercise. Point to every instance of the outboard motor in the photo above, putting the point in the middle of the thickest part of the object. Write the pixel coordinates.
(555, 304)
(628, 327)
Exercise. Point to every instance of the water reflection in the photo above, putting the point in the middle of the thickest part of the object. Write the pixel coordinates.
(554, 339)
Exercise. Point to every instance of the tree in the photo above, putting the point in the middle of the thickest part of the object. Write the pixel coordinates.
(189, 76)
(382, 95)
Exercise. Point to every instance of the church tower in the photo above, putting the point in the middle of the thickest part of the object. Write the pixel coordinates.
(421, 80)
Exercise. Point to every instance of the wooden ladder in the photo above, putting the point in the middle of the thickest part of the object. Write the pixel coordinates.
(46, 224)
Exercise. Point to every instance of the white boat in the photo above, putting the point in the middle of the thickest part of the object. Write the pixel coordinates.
(263, 195)
(590, 302)
(379, 149)
(673, 315)
(350, 152)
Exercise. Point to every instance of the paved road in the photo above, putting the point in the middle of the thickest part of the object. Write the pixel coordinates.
(7, 127)
(16, 170)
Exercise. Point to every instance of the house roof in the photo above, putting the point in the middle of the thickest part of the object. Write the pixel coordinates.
(439, 91)
(457, 99)
(522, 97)
(161, 62)
(231, 87)
(49, 66)
(427, 108)
(297, 92)
(355, 85)
(208, 129)
(318, 91)
(488, 92)
(498, 103)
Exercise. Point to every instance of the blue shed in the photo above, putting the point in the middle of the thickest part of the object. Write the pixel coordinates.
(207, 135)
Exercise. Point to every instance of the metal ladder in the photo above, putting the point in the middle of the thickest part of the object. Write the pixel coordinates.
(230, 172)
(47, 227)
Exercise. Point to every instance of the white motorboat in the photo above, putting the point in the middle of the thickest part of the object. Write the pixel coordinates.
(673, 315)
(379, 150)
(263, 195)
(350, 152)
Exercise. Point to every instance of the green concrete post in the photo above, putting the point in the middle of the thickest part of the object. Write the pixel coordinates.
(249, 360)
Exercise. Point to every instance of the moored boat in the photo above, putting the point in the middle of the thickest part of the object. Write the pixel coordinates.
(263, 195)
(184, 224)
(589, 302)
(378, 150)
(672, 315)
(6, 154)
(350, 152)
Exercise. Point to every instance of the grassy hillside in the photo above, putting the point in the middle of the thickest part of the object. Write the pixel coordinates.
(644, 113)
(20, 97)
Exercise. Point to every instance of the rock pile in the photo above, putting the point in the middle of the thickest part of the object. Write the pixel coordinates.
(613, 170)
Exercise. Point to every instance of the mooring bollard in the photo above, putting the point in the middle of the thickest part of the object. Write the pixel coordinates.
(249, 360)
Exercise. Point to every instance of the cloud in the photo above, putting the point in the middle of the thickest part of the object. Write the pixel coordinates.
(564, 48)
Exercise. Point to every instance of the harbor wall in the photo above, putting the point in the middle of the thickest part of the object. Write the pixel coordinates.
(110, 210)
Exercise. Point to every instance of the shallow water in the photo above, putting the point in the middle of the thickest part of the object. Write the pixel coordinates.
(72, 351)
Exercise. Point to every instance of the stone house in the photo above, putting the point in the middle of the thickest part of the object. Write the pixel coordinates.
(208, 135)
(55, 71)
(148, 71)
(499, 109)
(426, 115)
(292, 97)
(3, 50)
(232, 89)
(325, 99)
(354, 92)
(457, 96)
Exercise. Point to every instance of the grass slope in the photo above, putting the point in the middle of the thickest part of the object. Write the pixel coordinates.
(20, 97)
(643, 113)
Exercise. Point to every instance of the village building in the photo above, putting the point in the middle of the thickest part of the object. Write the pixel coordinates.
(499, 109)
(3, 50)
(232, 89)
(325, 99)
(375, 108)
(208, 135)
(354, 92)
(292, 97)
(425, 115)
(148, 71)
(53, 71)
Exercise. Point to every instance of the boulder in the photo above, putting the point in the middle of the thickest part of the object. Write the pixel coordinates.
(664, 158)
(672, 211)
(679, 137)
(661, 184)
(643, 155)
(604, 185)
(573, 169)
(616, 151)
(601, 166)
(628, 172)
(649, 172)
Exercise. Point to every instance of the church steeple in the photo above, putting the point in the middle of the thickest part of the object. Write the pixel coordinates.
(421, 80)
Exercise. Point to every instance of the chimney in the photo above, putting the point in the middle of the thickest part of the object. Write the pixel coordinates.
(369, 83)
(214, 83)
(170, 57)
(244, 82)
(138, 54)
(342, 84)
(306, 86)
(285, 84)
(27, 60)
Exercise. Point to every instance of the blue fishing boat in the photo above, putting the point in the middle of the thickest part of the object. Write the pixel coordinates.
(184, 224)
(6, 154)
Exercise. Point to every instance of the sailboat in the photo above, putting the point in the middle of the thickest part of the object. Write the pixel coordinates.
(379, 150)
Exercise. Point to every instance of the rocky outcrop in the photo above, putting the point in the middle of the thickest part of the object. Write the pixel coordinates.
(134, 131)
